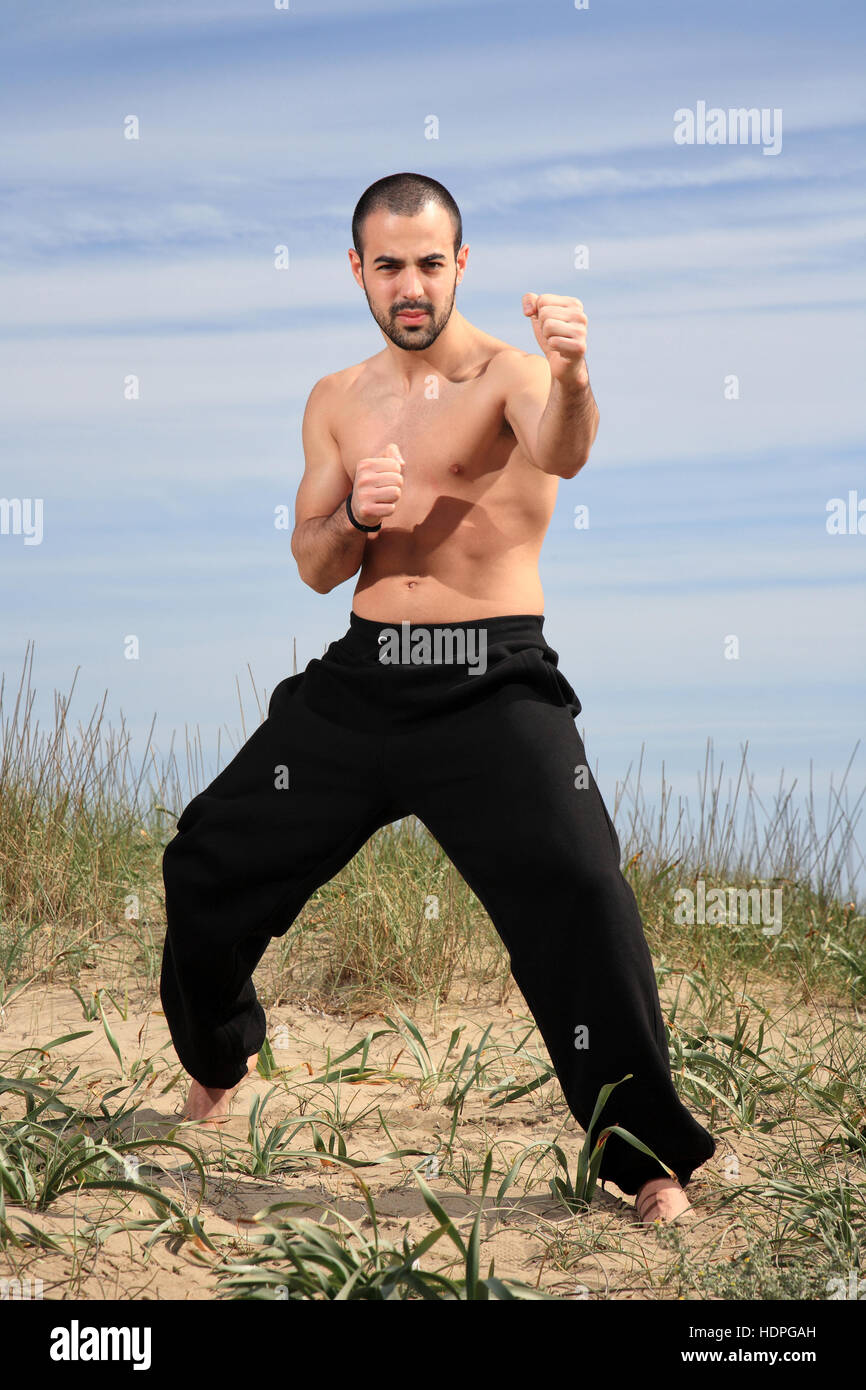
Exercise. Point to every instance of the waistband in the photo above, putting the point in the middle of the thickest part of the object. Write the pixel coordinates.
(365, 635)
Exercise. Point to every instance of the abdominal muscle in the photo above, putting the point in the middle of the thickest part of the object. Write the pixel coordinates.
(397, 584)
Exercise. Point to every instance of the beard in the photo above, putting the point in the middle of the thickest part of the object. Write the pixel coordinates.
(413, 337)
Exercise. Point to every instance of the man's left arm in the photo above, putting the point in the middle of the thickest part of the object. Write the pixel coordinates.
(549, 402)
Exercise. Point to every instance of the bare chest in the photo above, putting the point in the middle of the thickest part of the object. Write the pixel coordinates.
(447, 432)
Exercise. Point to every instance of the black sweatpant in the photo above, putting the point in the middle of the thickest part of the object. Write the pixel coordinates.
(490, 761)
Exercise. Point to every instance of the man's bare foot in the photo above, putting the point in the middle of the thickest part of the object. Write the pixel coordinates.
(661, 1199)
(211, 1104)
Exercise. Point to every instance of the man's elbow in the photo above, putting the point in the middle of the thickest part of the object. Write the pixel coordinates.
(573, 470)
(317, 584)
(306, 576)
(557, 468)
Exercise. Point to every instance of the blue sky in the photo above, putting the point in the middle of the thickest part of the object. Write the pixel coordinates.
(261, 127)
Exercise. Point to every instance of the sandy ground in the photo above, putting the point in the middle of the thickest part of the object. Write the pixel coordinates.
(531, 1236)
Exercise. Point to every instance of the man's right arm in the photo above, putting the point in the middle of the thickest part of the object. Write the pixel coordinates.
(327, 547)
(325, 544)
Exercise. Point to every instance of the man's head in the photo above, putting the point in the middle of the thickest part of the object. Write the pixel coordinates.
(408, 256)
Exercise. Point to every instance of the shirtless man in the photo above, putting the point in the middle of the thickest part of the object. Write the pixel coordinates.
(431, 472)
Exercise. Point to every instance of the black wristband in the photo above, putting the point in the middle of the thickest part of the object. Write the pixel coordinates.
(357, 523)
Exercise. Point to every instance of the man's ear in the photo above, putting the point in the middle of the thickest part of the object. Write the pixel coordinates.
(355, 264)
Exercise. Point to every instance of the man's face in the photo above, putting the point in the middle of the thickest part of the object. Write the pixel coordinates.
(409, 274)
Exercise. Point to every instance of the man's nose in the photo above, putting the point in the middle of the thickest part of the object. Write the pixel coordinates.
(411, 287)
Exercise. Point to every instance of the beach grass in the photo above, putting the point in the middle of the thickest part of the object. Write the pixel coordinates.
(404, 1136)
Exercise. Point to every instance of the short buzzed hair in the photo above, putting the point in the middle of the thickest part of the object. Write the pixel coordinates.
(405, 195)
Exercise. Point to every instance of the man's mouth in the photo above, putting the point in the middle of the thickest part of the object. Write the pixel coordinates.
(412, 315)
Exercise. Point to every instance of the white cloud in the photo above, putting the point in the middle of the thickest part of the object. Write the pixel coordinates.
(342, 113)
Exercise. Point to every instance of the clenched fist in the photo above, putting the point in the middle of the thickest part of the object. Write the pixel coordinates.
(377, 487)
(560, 326)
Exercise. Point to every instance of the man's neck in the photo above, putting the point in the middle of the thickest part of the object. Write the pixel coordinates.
(455, 346)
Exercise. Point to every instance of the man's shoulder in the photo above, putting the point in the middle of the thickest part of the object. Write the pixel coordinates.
(333, 385)
(512, 366)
